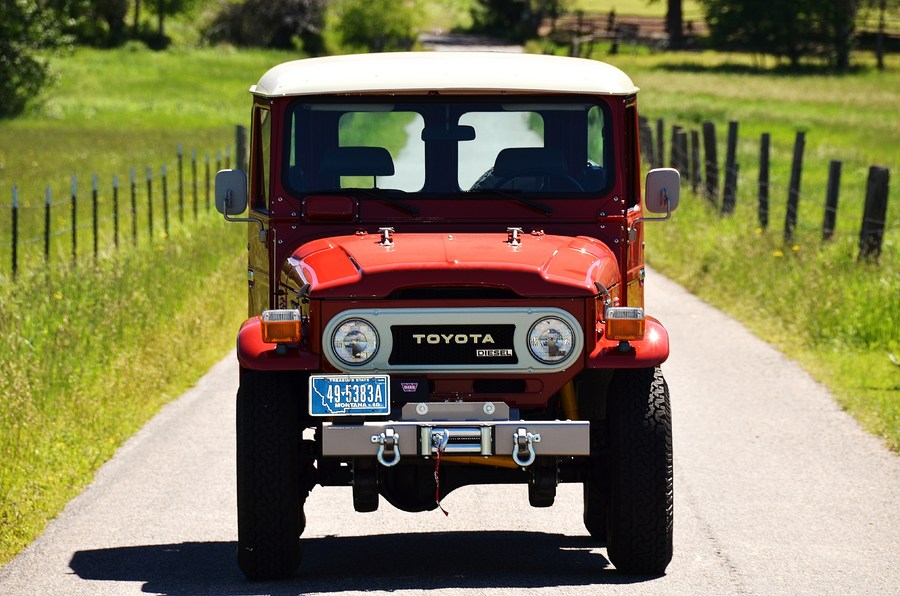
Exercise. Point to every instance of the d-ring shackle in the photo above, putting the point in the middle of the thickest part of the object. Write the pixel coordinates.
(523, 442)
(390, 441)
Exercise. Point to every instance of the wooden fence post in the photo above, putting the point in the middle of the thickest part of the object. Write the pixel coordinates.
(207, 181)
(94, 223)
(660, 143)
(47, 205)
(180, 184)
(134, 224)
(150, 202)
(712, 167)
(831, 200)
(731, 170)
(194, 179)
(15, 231)
(646, 139)
(695, 160)
(790, 217)
(764, 180)
(682, 152)
(115, 185)
(673, 147)
(74, 219)
(240, 142)
(165, 199)
(871, 234)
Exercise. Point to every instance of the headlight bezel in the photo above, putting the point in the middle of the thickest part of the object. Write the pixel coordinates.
(539, 333)
(339, 342)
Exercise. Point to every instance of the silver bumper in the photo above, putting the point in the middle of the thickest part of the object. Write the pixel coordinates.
(389, 441)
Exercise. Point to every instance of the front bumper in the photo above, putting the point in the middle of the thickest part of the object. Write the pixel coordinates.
(520, 440)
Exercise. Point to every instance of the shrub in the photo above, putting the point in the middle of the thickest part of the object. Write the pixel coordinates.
(282, 24)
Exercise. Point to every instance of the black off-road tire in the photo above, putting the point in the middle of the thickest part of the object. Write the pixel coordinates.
(640, 472)
(270, 491)
(592, 388)
(596, 505)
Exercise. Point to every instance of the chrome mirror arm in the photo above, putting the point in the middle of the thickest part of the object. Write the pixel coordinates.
(262, 228)
(632, 231)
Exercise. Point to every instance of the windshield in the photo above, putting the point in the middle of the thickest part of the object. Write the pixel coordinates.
(449, 145)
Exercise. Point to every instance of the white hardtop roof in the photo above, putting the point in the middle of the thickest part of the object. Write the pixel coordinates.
(443, 72)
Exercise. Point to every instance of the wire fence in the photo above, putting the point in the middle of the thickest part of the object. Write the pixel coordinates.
(702, 174)
(98, 216)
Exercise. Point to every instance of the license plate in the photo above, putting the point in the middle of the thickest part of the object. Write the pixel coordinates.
(349, 395)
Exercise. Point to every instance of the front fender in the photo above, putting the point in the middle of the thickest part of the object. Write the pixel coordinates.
(649, 352)
(254, 354)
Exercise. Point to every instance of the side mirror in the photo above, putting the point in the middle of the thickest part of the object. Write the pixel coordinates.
(661, 190)
(231, 192)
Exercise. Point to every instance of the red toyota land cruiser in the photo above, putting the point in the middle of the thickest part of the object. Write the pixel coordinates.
(446, 273)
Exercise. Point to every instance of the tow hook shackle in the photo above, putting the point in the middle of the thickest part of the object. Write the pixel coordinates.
(523, 447)
(388, 444)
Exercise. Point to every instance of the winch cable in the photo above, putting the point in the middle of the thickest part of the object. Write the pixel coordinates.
(440, 445)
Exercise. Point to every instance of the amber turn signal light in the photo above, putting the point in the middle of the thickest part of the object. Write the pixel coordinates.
(281, 326)
(624, 323)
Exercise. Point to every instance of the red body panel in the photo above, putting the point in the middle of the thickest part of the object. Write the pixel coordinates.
(255, 354)
(542, 265)
(651, 351)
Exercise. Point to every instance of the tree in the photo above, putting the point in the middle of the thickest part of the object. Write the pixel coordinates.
(282, 24)
(882, 7)
(674, 22)
(785, 29)
(515, 19)
(377, 25)
(24, 29)
(92, 22)
(162, 9)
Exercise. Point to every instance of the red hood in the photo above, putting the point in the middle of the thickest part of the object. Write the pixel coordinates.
(542, 265)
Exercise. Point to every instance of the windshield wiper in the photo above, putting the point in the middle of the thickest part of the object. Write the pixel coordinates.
(378, 194)
(545, 209)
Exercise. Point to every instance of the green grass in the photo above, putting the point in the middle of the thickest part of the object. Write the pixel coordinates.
(644, 8)
(92, 351)
(840, 319)
(72, 333)
(106, 113)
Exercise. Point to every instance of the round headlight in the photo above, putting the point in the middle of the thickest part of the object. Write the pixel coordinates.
(551, 340)
(355, 341)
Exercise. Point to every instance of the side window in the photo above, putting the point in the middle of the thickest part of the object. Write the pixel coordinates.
(595, 136)
(262, 157)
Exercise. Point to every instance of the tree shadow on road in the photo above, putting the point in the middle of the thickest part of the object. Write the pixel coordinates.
(422, 561)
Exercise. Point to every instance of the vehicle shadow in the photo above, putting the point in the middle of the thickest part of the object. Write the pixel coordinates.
(423, 561)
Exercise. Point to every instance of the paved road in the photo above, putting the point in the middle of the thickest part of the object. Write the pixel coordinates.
(777, 492)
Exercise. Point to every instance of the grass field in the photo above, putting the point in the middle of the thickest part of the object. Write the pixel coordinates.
(691, 9)
(93, 349)
(839, 318)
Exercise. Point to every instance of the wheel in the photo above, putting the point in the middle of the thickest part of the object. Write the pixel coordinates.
(640, 472)
(271, 483)
(365, 485)
(592, 390)
(596, 503)
(543, 481)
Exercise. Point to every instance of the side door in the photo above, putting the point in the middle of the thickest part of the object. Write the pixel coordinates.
(259, 265)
